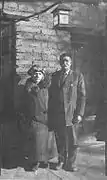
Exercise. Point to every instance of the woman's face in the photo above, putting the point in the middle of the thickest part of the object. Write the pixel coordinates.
(38, 76)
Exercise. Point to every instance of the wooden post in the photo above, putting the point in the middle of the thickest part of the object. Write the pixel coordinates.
(73, 65)
(73, 52)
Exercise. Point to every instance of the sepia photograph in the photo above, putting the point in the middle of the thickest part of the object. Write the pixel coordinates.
(53, 78)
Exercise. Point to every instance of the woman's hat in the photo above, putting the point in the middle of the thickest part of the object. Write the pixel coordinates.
(35, 69)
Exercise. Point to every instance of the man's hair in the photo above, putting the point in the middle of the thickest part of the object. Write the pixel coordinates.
(64, 55)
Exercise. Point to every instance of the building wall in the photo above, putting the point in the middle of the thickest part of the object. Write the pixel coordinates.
(89, 60)
(37, 42)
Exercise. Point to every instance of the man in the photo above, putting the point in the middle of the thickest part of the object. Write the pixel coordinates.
(66, 108)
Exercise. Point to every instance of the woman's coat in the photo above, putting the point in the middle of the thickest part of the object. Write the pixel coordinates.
(36, 113)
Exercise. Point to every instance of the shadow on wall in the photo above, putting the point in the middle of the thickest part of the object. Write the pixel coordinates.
(18, 93)
(89, 61)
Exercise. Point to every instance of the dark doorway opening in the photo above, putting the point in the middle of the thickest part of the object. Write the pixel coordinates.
(7, 65)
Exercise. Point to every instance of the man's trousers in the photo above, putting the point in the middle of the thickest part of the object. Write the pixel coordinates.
(66, 140)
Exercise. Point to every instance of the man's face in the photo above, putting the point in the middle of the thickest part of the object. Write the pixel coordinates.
(66, 63)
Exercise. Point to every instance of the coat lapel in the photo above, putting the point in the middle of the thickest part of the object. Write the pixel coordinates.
(68, 79)
(58, 79)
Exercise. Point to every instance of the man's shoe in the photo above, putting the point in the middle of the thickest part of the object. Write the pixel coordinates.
(71, 169)
(59, 166)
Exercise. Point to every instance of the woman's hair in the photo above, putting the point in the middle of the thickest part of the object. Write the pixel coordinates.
(35, 69)
(47, 77)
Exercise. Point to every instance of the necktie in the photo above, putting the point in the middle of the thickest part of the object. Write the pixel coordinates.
(63, 76)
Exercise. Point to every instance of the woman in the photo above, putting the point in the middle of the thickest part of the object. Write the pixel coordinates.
(37, 100)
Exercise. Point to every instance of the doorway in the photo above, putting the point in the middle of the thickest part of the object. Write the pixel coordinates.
(7, 65)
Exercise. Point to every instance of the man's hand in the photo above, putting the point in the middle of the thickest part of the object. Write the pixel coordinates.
(78, 119)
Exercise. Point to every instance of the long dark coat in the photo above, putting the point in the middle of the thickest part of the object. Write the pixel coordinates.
(36, 113)
(72, 93)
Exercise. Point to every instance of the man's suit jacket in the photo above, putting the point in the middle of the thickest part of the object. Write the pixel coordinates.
(72, 95)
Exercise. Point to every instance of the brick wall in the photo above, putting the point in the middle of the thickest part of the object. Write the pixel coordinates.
(37, 42)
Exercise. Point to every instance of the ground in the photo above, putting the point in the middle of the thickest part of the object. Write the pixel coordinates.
(90, 161)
